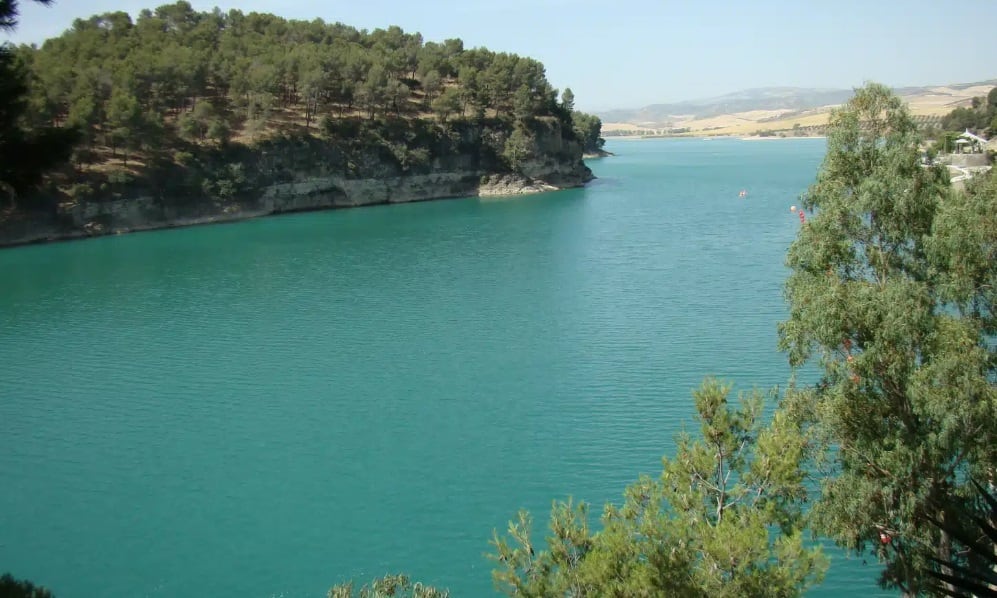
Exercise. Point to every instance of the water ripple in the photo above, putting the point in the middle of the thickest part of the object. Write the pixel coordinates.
(270, 407)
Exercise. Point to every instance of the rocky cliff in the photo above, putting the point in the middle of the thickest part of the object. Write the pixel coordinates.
(291, 174)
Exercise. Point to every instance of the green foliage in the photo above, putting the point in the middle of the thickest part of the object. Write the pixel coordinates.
(174, 79)
(432, 83)
(945, 142)
(227, 182)
(27, 151)
(119, 177)
(962, 118)
(972, 569)
(183, 158)
(15, 588)
(218, 131)
(204, 122)
(962, 252)
(524, 104)
(393, 586)
(724, 519)
(568, 100)
(447, 104)
(124, 121)
(588, 129)
(173, 57)
(891, 294)
(978, 116)
(80, 191)
(519, 148)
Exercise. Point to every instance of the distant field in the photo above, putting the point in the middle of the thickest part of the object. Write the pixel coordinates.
(928, 105)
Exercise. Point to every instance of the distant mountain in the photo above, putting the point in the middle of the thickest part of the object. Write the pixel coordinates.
(764, 98)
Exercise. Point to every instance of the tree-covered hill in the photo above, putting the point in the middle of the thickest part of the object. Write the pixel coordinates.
(170, 96)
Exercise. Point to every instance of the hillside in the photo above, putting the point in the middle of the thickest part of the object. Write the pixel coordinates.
(776, 109)
(750, 100)
(186, 116)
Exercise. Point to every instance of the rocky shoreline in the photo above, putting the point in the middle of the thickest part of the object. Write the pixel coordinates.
(144, 213)
(303, 173)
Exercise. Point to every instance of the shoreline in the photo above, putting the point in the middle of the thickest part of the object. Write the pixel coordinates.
(710, 137)
(776, 137)
(30, 230)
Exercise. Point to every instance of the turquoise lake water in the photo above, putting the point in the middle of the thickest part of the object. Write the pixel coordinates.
(266, 408)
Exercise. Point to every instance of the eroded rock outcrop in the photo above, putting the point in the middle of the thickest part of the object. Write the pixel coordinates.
(293, 175)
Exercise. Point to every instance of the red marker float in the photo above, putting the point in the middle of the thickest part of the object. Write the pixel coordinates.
(802, 217)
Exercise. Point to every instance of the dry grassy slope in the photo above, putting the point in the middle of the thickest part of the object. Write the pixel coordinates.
(936, 101)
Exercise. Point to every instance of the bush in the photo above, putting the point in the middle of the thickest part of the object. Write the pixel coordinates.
(518, 149)
(14, 588)
(80, 191)
(183, 158)
(119, 177)
(218, 130)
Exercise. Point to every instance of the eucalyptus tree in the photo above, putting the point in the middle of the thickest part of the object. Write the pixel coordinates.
(891, 296)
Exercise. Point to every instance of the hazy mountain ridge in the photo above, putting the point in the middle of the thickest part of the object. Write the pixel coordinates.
(748, 100)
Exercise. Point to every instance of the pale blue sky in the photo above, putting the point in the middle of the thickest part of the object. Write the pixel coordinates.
(629, 53)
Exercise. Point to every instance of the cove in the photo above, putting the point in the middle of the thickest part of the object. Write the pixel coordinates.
(269, 407)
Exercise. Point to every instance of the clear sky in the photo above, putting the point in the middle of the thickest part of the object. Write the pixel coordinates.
(629, 53)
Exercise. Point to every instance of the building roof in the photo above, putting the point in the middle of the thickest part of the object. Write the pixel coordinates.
(971, 137)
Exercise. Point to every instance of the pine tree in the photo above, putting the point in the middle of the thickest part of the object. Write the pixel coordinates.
(724, 519)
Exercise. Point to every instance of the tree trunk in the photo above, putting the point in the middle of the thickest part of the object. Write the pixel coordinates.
(944, 552)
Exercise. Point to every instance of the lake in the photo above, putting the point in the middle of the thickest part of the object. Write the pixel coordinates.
(263, 409)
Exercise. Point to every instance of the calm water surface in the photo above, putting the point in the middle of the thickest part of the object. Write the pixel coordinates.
(266, 408)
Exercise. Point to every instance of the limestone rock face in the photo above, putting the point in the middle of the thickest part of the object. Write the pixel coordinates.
(314, 180)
